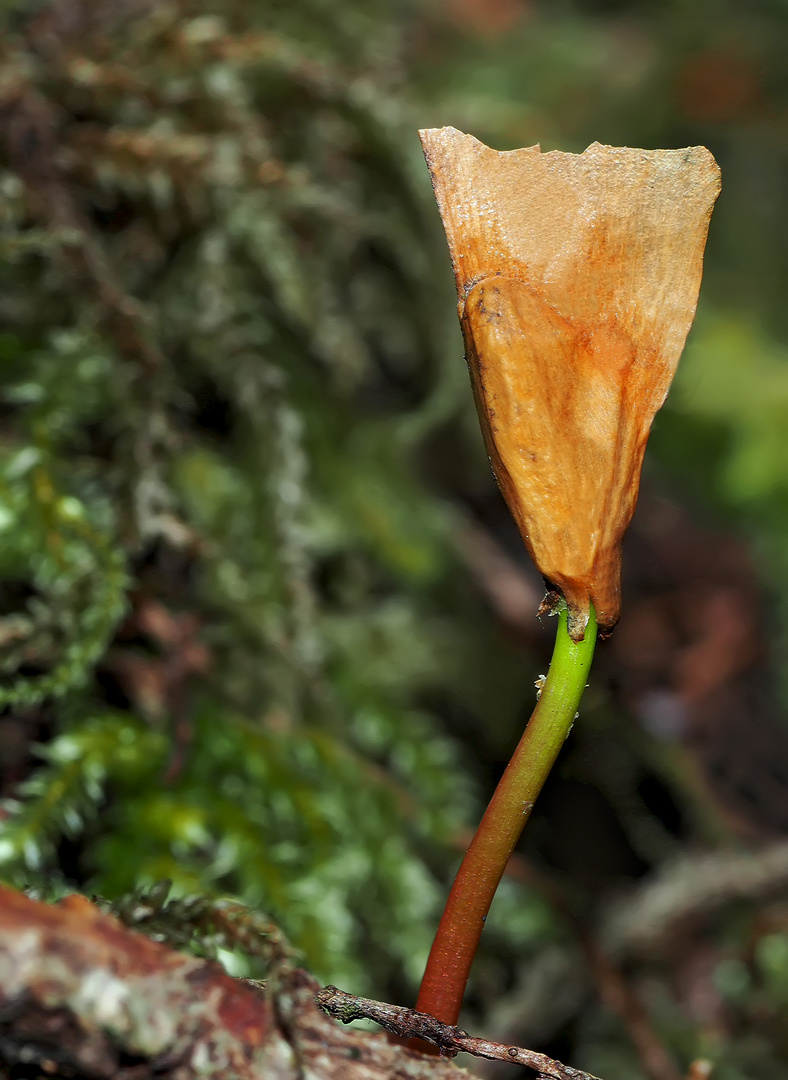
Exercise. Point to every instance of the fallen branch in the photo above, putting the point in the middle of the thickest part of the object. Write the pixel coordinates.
(409, 1024)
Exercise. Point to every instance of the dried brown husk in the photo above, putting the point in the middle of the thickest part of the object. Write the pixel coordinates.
(578, 278)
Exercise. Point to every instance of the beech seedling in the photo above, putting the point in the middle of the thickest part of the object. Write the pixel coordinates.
(577, 281)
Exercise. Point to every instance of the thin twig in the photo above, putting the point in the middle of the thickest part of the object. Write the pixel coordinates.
(409, 1024)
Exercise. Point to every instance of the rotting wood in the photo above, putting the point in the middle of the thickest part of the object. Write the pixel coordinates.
(81, 995)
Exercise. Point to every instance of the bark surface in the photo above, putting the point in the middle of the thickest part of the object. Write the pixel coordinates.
(82, 996)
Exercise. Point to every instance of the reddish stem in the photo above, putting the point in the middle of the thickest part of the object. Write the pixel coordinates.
(462, 922)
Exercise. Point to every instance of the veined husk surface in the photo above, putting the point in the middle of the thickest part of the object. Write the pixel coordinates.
(578, 278)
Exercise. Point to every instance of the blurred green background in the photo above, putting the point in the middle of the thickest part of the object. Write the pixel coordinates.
(267, 629)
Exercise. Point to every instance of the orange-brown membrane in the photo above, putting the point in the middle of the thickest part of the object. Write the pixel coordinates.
(578, 278)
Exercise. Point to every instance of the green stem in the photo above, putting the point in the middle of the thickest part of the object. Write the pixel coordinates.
(461, 924)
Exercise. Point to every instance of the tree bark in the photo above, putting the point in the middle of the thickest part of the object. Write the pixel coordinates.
(83, 997)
